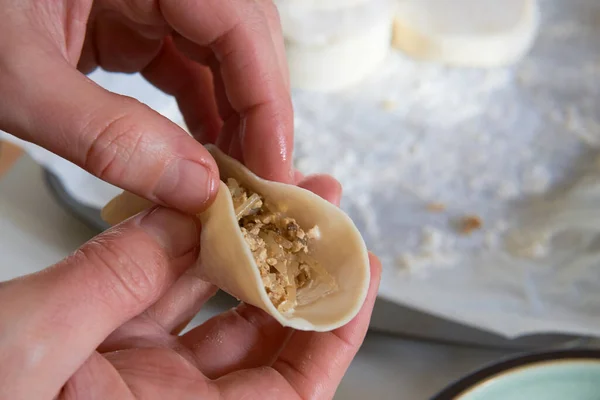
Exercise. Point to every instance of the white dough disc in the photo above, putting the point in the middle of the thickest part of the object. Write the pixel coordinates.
(474, 33)
(331, 49)
(339, 64)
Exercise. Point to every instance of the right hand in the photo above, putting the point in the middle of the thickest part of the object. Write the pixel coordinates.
(105, 324)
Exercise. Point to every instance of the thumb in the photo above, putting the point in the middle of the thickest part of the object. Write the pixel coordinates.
(55, 319)
(120, 140)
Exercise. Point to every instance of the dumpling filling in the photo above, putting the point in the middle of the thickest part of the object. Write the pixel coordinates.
(281, 249)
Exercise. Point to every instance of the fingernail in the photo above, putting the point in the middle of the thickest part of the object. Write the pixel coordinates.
(175, 232)
(187, 185)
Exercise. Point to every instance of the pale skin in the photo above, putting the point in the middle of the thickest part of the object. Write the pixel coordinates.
(105, 322)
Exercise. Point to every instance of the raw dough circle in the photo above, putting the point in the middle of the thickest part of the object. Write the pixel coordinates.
(339, 64)
(473, 33)
(330, 49)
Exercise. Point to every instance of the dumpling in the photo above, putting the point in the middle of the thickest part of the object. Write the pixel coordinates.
(276, 246)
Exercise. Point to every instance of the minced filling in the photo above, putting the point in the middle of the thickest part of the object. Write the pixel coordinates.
(281, 249)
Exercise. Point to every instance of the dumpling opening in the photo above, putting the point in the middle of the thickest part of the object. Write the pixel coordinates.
(282, 251)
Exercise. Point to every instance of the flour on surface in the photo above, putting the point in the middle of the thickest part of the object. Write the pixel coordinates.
(433, 251)
(477, 141)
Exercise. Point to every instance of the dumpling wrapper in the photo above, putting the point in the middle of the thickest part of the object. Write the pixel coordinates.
(227, 261)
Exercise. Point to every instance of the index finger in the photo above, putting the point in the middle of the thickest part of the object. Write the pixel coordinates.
(238, 34)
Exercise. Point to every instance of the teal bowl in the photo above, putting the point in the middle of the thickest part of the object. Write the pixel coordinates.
(556, 375)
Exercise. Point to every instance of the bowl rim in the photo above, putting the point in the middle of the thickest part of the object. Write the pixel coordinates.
(477, 378)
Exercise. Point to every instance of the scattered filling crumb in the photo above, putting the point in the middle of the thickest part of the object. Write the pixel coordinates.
(388, 105)
(436, 207)
(281, 249)
(397, 33)
(469, 224)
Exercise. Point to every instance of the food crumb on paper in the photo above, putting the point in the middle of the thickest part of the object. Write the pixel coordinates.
(389, 105)
(436, 207)
(432, 253)
(470, 224)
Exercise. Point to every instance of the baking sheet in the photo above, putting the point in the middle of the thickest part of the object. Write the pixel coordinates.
(489, 144)
(492, 144)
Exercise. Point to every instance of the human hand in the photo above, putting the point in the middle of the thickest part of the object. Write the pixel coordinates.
(104, 324)
(224, 62)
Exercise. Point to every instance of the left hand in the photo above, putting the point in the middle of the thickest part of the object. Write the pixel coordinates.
(104, 324)
(222, 60)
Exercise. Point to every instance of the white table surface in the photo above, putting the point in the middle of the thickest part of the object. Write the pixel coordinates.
(35, 232)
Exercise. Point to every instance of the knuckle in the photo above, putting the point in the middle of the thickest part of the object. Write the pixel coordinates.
(128, 57)
(145, 12)
(112, 142)
(120, 278)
